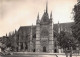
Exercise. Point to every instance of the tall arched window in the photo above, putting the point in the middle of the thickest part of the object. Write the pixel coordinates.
(44, 33)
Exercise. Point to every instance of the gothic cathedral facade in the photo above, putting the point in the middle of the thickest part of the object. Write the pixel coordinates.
(44, 33)
(41, 37)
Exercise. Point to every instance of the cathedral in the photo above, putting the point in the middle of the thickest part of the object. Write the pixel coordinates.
(40, 37)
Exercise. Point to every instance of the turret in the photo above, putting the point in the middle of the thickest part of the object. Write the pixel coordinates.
(38, 21)
(46, 7)
(31, 32)
(6, 34)
(37, 34)
(9, 33)
(15, 31)
(58, 27)
(51, 15)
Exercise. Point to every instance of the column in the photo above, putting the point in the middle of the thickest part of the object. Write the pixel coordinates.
(31, 36)
(38, 38)
(51, 40)
(19, 48)
(24, 46)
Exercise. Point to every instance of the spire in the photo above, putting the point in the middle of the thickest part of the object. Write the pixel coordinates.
(31, 27)
(38, 16)
(46, 6)
(58, 27)
(51, 15)
(31, 32)
(9, 33)
(15, 31)
(6, 34)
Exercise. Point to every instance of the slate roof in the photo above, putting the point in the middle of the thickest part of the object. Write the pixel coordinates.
(27, 29)
(45, 18)
(63, 26)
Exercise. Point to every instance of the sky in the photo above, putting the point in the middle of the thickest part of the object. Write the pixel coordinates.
(16, 13)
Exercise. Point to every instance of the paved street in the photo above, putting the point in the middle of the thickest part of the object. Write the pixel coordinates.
(31, 54)
(38, 56)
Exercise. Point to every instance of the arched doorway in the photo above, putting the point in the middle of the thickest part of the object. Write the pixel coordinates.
(33, 50)
(44, 49)
(21, 46)
(55, 51)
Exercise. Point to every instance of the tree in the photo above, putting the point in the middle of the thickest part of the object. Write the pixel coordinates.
(66, 41)
(5, 43)
(76, 26)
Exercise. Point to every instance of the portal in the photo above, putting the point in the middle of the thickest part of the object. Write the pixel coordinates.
(44, 49)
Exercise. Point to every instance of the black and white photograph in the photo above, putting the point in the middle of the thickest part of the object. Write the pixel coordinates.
(39, 28)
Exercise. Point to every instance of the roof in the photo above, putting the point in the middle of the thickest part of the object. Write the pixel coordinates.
(63, 26)
(27, 29)
(45, 18)
(24, 28)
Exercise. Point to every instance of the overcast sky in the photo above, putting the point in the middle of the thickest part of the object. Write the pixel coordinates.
(16, 13)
